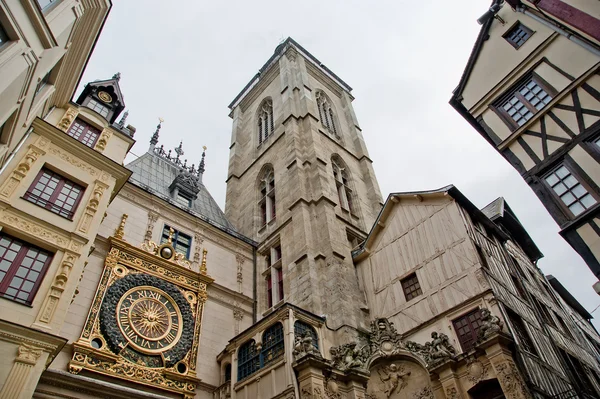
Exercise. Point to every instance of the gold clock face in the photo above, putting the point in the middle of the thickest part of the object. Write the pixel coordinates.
(149, 319)
(104, 96)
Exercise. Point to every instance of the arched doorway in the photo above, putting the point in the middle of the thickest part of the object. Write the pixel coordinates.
(487, 389)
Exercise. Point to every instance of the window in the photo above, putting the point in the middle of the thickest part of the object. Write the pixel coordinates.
(326, 112)
(183, 199)
(272, 344)
(22, 268)
(411, 287)
(466, 328)
(3, 36)
(520, 331)
(265, 120)
(55, 193)
(344, 191)
(269, 291)
(543, 310)
(267, 196)
(518, 35)
(564, 327)
(181, 242)
(301, 328)
(228, 372)
(248, 360)
(44, 4)
(84, 133)
(98, 107)
(279, 284)
(570, 191)
(42, 83)
(482, 256)
(524, 101)
(519, 286)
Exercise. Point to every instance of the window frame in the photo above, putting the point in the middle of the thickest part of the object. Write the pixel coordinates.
(98, 106)
(267, 200)
(16, 264)
(185, 197)
(249, 360)
(176, 233)
(521, 26)
(88, 127)
(264, 119)
(521, 333)
(558, 199)
(50, 204)
(301, 327)
(407, 283)
(469, 344)
(497, 105)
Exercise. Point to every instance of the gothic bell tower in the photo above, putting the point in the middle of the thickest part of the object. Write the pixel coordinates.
(301, 183)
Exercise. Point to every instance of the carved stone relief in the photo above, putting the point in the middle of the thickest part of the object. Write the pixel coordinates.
(511, 381)
(490, 325)
(67, 119)
(399, 379)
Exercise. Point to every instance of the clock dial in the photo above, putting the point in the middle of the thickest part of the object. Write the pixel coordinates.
(104, 96)
(149, 319)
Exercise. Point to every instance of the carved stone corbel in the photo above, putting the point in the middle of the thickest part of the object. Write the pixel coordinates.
(21, 170)
(92, 207)
(57, 288)
(103, 140)
(68, 119)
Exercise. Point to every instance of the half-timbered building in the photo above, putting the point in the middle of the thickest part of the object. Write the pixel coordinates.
(531, 89)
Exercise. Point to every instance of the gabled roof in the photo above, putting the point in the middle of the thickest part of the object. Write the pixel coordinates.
(279, 51)
(155, 174)
(110, 85)
(450, 190)
(500, 213)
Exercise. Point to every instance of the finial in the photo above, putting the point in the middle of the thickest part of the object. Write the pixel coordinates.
(123, 119)
(120, 231)
(179, 150)
(154, 139)
(203, 264)
(201, 165)
(117, 76)
(171, 233)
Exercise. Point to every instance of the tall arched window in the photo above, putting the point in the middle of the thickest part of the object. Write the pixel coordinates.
(342, 183)
(248, 360)
(301, 328)
(267, 195)
(265, 120)
(326, 114)
(273, 347)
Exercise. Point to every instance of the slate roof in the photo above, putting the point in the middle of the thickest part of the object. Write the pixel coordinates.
(155, 174)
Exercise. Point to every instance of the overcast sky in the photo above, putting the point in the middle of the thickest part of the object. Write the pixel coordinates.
(186, 60)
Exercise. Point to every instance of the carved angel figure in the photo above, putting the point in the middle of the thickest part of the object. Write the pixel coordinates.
(303, 345)
(394, 378)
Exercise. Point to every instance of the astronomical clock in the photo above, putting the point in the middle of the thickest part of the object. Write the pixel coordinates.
(145, 319)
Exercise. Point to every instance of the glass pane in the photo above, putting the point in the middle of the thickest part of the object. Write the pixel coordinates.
(568, 198)
(562, 172)
(578, 191)
(560, 189)
(588, 200)
(552, 179)
(576, 208)
(570, 181)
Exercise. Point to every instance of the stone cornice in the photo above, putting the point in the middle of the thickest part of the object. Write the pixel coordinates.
(17, 334)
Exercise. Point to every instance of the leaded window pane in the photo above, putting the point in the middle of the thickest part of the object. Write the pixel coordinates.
(570, 191)
(301, 329)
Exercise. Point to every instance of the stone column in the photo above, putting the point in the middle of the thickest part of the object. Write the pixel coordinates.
(507, 372)
(17, 381)
(356, 381)
(449, 380)
(311, 380)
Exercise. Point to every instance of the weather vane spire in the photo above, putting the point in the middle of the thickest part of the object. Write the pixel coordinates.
(154, 139)
(201, 165)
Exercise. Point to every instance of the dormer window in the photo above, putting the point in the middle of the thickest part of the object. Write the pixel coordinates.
(98, 107)
(84, 132)
(183, 199)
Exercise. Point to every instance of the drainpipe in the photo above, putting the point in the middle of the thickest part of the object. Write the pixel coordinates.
(254, 276)
(592, 49)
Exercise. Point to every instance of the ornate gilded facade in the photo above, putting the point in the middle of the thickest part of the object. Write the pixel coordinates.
(130, 282)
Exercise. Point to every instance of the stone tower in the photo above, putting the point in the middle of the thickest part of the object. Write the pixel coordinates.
(301, 183)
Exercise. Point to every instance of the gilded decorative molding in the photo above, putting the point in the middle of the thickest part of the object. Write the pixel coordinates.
(21, 170)
(28, 354)
(103, 140)
(120, 231)
(203, 269)
(68, 119)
